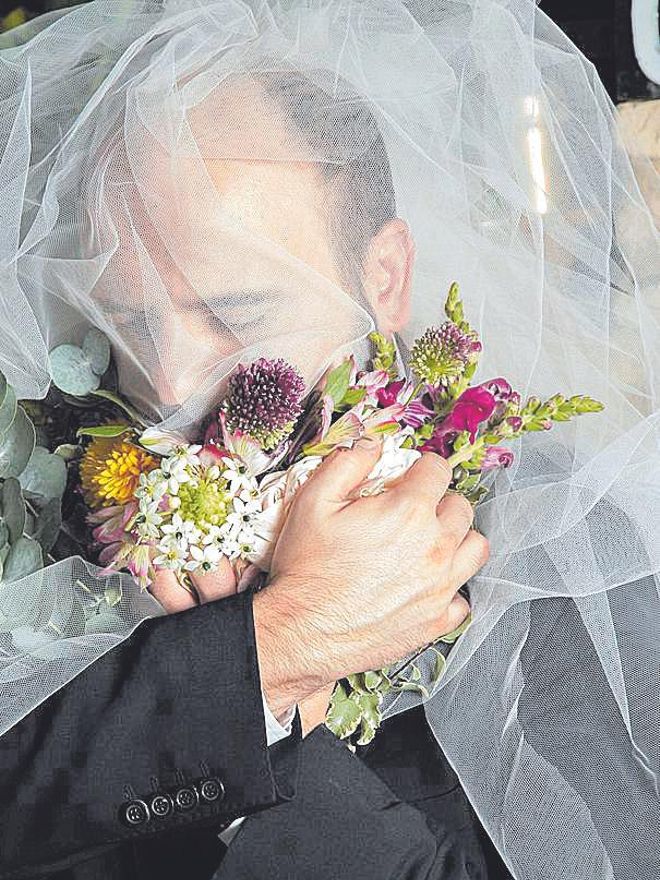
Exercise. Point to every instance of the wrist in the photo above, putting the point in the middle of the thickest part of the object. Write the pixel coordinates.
(286, 661)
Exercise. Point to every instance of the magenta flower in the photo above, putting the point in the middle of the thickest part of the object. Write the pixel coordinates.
(499, 388)
(474, 406)
(496, 457)
(390, 394)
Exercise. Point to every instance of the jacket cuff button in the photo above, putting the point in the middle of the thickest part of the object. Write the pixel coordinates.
(212, 789)
(161, 805)
(186, 798)
(136, 813)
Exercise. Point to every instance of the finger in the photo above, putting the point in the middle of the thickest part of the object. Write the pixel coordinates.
(455, 516)
(472, 555)
(167, 590)
(342, 471)
(428, 478)
(215, 584)
(454, 616)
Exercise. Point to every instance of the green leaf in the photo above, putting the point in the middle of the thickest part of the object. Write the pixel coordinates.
(7, 409)
(97, 350)
(48, 524)
(13, 508)
(439, 666)
(72, 371)
(352, 396)
(45, 474)
(103, 431)
(344, 714)
(16, 445)
(370, 717)
(336, 384)
(372, 680)
(25, 557)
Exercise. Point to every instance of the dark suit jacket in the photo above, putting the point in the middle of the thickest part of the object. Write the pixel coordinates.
(130, 771)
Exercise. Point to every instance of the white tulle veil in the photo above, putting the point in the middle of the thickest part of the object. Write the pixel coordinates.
(507, 164)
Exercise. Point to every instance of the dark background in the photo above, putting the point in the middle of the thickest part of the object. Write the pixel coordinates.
(600, 28)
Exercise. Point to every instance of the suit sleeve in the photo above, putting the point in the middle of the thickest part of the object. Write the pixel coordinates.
(367, 831)
(164, 731)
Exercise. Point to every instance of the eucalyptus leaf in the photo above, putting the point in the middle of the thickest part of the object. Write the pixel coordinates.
(45, 474)
(13, 508)
(3, 387)
(103, 431)
(75, 623)
(112, 593)
(104, 622)
(72, 371)
(25, 557)
(97, 349)
(48, 524)
(67, 451)
(16, 445)
(7, 409)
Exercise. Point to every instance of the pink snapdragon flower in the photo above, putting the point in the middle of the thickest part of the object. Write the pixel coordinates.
(496, 457)
(473, 407)
(416, 413)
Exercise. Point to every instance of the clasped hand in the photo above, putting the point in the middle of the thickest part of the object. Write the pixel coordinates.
(355, 583)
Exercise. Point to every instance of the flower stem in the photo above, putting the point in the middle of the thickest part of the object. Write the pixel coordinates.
(416, 391)
(464, 454)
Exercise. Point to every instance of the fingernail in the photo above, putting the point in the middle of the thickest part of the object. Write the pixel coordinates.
(366, 442)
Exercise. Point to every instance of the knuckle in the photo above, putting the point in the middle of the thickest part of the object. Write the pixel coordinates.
(483, 548)
(437, 462)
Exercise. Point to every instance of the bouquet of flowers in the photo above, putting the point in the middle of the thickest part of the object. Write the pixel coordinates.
(143, 500)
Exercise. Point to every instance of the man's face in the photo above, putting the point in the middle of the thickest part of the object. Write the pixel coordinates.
(241, 259)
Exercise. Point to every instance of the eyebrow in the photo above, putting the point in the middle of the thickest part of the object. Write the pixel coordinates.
(117, 307)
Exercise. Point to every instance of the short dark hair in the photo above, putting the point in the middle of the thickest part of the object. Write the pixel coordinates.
(334, 120)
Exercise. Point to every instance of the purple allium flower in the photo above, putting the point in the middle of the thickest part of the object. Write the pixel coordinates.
(440, 356)
(496, 457)
(264, 400)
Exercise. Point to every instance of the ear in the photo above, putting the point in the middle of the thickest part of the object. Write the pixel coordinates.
(387, 275)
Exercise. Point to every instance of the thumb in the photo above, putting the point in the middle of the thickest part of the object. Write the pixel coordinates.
(344, 469)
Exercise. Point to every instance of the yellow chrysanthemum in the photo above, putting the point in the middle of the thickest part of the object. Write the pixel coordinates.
(110, 470)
